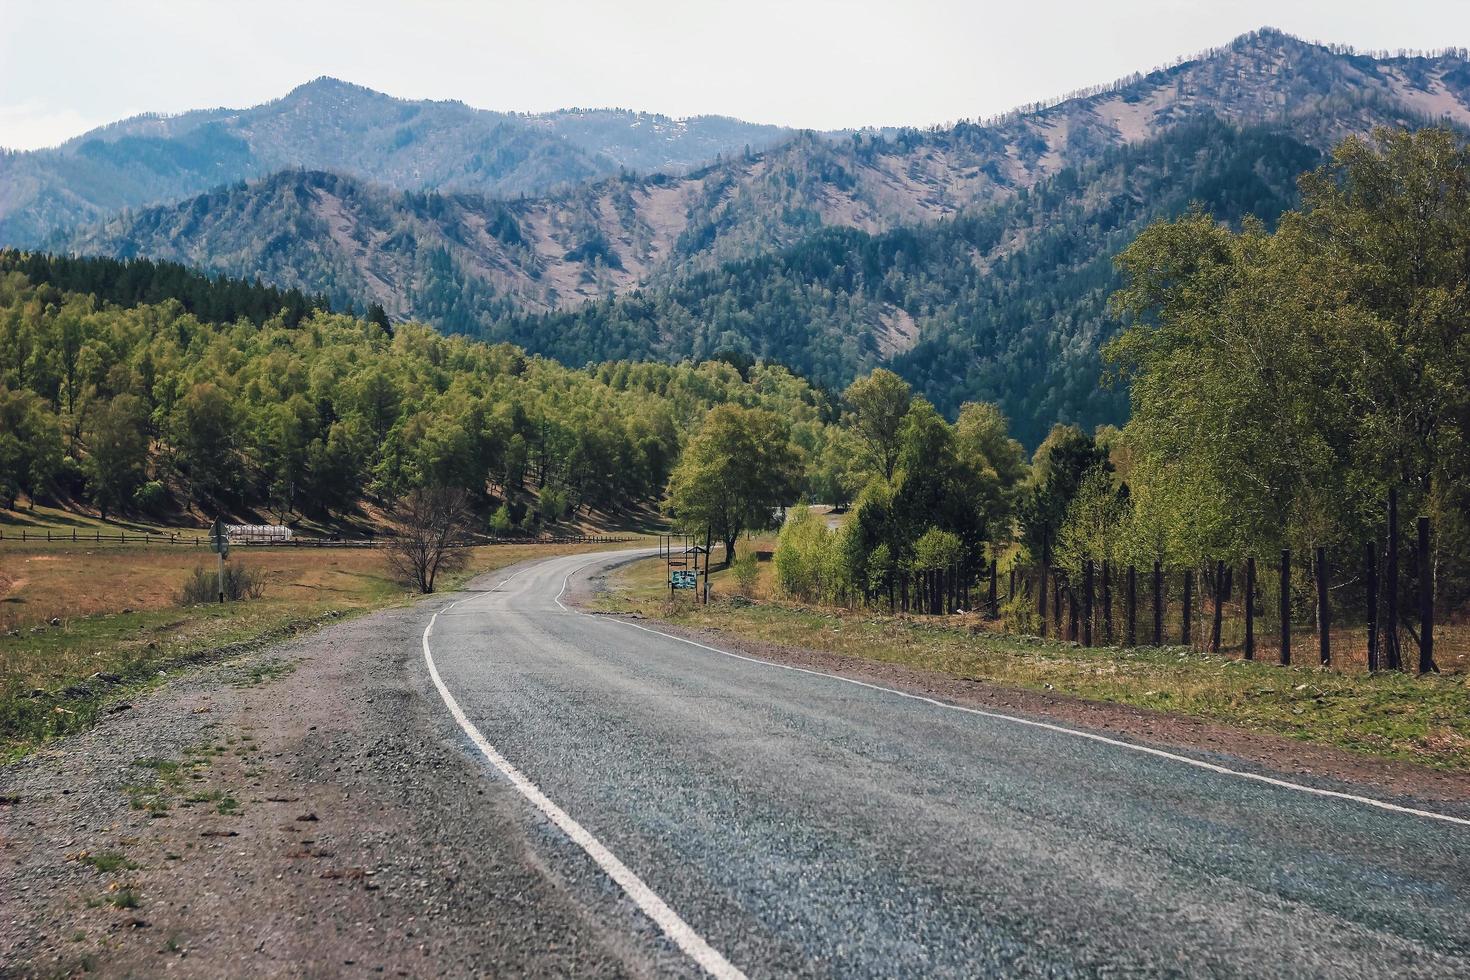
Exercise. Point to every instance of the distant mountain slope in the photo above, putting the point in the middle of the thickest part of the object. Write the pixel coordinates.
(331, 125)
(985, 250)
(610, 236)
(1006, 303)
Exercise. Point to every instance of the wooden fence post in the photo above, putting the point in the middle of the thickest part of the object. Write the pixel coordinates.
(1370, 579)
(1426, 601)
(1250, 609)
(994, 608)
(1158, 603)
(1107, 601)
(1219, 606)
(1132, 603)
(1056, 601)
(1285, 607)
(1391, 622)
(1186, 615)
(1324, 618)
(1041, 594)
(1087, 603)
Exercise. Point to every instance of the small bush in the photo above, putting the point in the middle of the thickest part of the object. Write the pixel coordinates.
(746, 570)
(501, 523)
(551, 504)
(1019, 613)
(151, 497)
(241, 582)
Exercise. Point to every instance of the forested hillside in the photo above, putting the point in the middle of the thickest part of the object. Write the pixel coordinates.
(1006, 305)
(610, 236)
(149, 409)
(126, 283)
(332, 125)
(974, 259)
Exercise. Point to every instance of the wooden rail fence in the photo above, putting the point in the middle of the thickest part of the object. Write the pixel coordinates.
(201, 539)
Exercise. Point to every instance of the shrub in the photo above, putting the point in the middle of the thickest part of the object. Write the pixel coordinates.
(814, 562)
(500, 522)
(151, 497)
(551, 504)
(241, 582)
(1019, 612)
(746, 570)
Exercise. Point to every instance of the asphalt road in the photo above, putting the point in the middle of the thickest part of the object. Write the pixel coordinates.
(796, 824)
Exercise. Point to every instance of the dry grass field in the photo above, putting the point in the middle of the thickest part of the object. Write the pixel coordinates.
(39, 582)
(81, 625)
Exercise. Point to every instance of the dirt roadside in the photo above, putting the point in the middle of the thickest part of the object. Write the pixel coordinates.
(307, 809)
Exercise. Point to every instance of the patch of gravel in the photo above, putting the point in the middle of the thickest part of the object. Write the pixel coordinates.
(337, 826)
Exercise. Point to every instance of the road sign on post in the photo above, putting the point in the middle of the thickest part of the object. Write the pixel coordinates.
(219, 543)
(682, 578)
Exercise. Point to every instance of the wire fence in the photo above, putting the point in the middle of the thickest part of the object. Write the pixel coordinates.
(201, 539)
(1392, 603)
(1376, 608)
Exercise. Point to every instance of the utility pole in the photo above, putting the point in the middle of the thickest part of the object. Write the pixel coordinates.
(219, 543)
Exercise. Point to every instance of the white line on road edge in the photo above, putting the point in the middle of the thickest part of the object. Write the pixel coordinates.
(693, 945)
(1062, 729)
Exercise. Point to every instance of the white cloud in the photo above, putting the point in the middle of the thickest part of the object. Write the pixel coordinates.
(31, 125)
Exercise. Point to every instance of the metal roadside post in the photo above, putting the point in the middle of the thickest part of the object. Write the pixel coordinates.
(219, 543)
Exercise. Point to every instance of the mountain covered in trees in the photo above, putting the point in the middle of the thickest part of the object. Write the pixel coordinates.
(974, 259)
(331, 125)
(146, 408)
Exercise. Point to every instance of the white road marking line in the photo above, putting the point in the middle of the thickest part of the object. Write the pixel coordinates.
(679, 931)
(1061, 729)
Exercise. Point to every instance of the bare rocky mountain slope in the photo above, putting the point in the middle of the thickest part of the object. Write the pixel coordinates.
(342, 235)
(328, 124)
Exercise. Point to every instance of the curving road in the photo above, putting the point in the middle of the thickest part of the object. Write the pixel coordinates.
(735, 816)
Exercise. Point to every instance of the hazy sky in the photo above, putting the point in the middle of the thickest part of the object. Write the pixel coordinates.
(68, 65)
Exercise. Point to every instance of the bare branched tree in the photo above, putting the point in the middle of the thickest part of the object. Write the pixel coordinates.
(428, 525)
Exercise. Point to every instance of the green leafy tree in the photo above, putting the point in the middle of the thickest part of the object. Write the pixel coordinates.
(1281, 383)
(207, 441)
(1057, 471)
(734, 474)
(117, 453)
(30, 446)
(878, 404)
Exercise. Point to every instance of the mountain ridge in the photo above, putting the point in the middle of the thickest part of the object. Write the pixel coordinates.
(573, 272)
(334, 125)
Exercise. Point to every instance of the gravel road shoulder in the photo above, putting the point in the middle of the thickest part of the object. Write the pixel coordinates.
(308, 808)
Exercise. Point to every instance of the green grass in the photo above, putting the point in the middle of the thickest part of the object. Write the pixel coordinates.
(108, 862)
(124, 898)
(1394, 716)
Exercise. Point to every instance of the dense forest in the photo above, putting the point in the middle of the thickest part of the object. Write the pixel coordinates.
(133, 282)
(149, 408)
(1284, 382)
(1007, 304)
